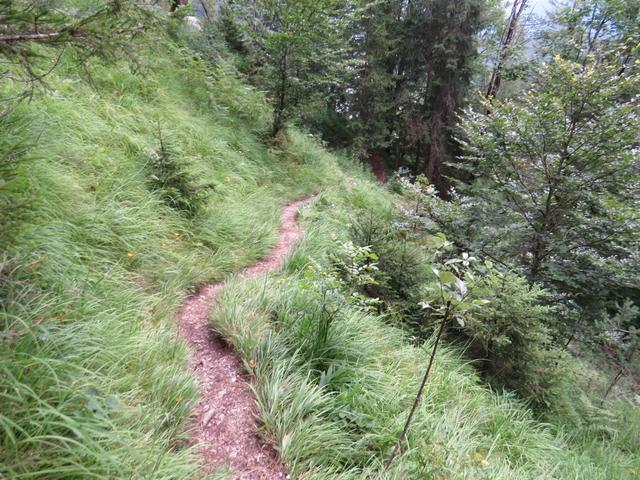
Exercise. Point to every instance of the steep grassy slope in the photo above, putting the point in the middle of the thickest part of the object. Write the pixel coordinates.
(94, 262)
(335, 402)
(93, 383)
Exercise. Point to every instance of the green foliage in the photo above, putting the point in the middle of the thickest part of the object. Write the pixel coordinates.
(501, 320)
(207, 41)
(311, 329)
(232, 32)
(350, 274)
(337, 415)
(515, 59)
(176, 186)
(300, 43)
(617, 337)
(622, 330)
(32, 31)
(415, 64)
(556, 175)
(13, 150)
(377, 38)
(593, 30)
(100, 243)
(510, 336)
(401, 263)
(358, 268)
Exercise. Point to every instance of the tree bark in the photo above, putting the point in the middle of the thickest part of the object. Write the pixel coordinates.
(612, 384)
(507, 40)
(31, 37)
(442, 115)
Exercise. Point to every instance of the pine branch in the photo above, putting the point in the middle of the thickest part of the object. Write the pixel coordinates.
(30, 37)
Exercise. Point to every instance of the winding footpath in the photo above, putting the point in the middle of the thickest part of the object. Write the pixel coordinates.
(225, 420)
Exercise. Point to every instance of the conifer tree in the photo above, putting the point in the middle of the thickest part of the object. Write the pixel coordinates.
(29, 28)
(417, 67)
(376, 40)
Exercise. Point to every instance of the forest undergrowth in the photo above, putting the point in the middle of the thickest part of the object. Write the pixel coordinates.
(334, 380)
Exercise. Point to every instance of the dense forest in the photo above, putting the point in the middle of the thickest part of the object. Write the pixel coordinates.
(325, 239)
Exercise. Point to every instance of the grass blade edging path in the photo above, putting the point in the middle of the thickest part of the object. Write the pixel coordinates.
(224, 420)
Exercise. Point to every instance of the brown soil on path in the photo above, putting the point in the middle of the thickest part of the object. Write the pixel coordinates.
(224, 422)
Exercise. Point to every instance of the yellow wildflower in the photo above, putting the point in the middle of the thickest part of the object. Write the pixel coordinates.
(481, 460)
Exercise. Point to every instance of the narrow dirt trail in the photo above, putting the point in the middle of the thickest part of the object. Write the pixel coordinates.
(224, 422)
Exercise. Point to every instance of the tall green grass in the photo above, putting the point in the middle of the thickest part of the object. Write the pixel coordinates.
(93, 381)
(334, 409)
(93, 265)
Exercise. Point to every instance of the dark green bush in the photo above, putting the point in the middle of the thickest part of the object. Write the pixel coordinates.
(177, 187)
(509, 337)
(232, 32)
(401, 261)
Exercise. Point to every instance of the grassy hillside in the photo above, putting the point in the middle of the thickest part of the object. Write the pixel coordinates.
(95, 261)
(97, 254)
(335, 406)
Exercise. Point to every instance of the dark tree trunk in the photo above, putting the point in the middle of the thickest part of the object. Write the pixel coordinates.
(433, 164)
(278, 114)
(507, 39)
(436, 153)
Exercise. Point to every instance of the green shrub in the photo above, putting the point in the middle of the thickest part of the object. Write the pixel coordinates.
(336, 410)
(509, 338)
(232, 32)
(357, 268)
(401, 262)
(170, 178)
